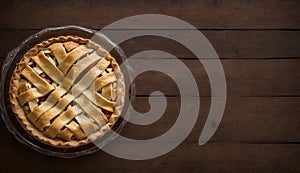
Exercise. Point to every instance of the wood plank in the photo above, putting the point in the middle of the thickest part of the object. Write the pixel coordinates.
(228, 44)
(188, 157)
(244, 78)
(246, 120)
(211, 14)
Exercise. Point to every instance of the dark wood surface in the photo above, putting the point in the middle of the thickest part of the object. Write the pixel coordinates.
(259, 46)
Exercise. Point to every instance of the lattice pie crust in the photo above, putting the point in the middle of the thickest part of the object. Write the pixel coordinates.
(67, 91)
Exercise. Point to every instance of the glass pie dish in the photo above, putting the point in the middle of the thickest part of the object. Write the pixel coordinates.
(13, 123)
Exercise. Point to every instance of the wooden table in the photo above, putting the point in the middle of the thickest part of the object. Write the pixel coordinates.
(258, 43)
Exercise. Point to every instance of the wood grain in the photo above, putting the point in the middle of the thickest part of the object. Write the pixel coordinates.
(258, 43)
(245, 120)
(216, 157)
(209, 14)
(228, 44)
(244, 78)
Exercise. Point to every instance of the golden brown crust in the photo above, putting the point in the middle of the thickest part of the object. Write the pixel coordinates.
(17, 109)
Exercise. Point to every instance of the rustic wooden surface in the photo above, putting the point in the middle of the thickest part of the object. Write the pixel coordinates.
(258, 43)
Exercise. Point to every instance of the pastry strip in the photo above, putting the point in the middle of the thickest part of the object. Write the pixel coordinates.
(76, 130)
(45, 106)
(22, 87)
(70, 45)
(107, 91)
(87, 126)
(32, 104)
(105, 80)
(65, 134)
(29, 95)
(58, 51)
(53, 112)
(99, 100)
(72, 57)
(91, 110)
(60, 122)
(41, 84)
(48, 67)
(81, 65)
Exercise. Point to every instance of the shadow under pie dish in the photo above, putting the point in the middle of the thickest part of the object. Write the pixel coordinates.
(67, 91)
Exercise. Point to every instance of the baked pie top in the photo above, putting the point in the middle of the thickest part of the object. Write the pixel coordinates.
(67, 91)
